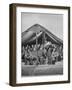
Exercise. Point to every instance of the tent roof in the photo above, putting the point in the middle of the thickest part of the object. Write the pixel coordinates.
(29, 36)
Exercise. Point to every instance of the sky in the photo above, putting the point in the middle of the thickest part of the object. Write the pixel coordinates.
(52, 22)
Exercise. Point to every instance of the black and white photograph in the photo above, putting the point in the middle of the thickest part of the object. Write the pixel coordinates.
(41, 44)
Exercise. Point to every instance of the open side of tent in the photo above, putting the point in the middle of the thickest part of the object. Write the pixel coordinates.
(37, 31)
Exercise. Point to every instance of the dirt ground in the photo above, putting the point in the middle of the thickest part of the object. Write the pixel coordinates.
(38, 70)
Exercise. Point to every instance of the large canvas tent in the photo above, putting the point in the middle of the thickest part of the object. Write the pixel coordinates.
(37, 32)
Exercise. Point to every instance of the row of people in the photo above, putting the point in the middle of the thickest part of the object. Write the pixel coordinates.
(49, 56)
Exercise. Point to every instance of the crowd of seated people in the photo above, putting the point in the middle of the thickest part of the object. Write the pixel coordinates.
(49, 55)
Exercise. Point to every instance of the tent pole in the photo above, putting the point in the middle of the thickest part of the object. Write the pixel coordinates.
(37, 47)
